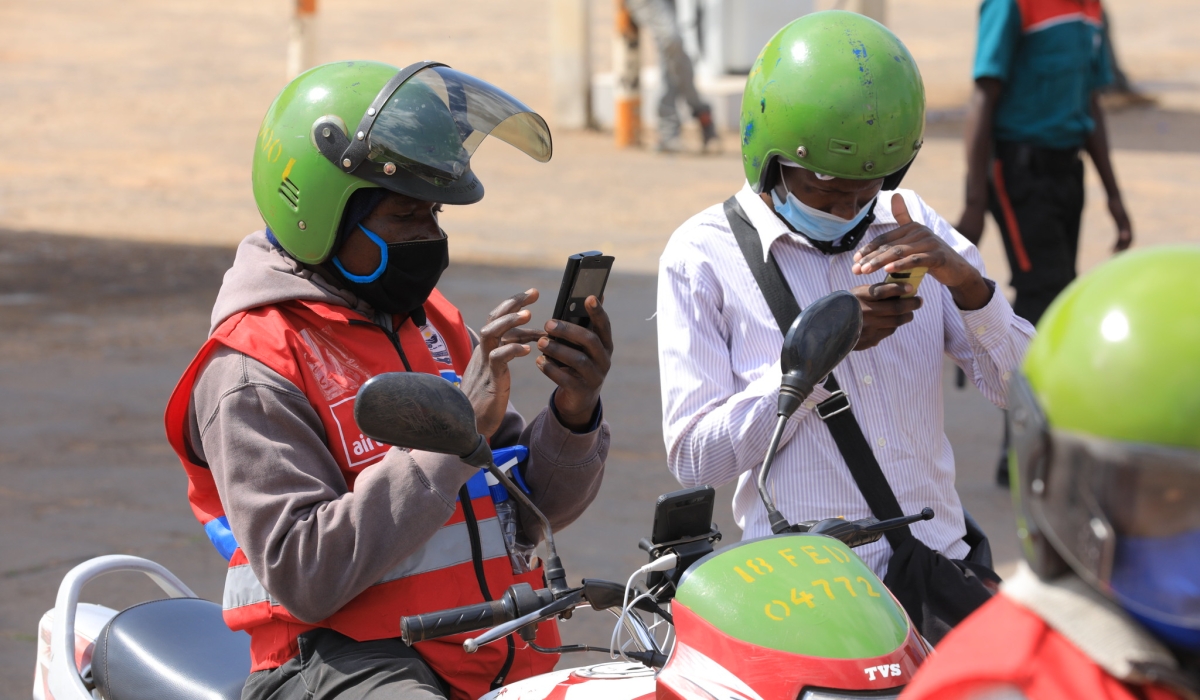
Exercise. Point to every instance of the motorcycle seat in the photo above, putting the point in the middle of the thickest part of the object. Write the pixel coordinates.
(174, 648)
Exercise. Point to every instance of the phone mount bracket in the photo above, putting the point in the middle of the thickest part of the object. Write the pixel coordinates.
(688, 549)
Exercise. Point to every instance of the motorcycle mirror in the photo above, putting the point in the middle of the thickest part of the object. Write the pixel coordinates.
(820, 338)
(418, 411)
(425, 412)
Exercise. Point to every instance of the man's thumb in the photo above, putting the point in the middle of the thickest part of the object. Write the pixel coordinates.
(900, 210)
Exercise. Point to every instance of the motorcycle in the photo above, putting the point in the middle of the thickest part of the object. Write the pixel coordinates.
(792, 616)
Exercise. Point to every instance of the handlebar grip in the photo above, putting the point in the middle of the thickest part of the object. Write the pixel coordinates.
(469, 618)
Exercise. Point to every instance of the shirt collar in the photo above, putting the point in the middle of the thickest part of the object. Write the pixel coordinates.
(764, 220)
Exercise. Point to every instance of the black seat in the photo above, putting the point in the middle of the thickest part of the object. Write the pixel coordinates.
(186, 637)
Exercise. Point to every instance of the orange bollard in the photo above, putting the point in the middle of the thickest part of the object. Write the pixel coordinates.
(627, 97)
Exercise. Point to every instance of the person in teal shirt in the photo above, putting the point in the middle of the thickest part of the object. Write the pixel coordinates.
(1039, 65)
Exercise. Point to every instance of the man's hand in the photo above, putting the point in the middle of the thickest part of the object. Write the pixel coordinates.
(1124, 228)
(487, 382)
(578, 371)
(913, 245)
(883, 311)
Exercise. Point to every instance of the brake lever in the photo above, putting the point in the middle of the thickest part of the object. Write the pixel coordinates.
(567, 602)
(856, 533)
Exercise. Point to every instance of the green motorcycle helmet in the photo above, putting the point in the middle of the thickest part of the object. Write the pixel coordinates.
(1105, 450)
(344, 126)
(836, 93)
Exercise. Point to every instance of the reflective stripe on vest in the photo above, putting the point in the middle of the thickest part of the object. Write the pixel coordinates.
(449, 546)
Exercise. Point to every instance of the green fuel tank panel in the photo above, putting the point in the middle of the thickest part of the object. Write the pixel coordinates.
(798, 593)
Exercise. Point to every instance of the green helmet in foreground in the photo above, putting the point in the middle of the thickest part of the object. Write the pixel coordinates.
(1105, 451)
(836, 93)
(344, 126)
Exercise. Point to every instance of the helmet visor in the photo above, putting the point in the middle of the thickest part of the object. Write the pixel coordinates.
(1125, 515)
(432, 124)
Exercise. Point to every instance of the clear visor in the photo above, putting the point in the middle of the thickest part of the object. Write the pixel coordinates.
(1126, 515)
(436, 119)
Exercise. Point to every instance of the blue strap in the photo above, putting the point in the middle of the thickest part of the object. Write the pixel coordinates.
(383, 260)
(221, 536)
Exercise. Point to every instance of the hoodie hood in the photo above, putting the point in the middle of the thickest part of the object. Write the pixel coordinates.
(262, 274)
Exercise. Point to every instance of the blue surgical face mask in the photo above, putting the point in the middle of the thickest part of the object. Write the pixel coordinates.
(814, 223)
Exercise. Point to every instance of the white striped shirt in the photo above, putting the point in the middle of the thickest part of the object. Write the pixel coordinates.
(718, 349)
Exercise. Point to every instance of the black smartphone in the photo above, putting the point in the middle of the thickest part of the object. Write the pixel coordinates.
(586, 275)
(680, 514)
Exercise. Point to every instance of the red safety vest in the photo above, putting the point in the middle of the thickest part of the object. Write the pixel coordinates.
(1005, 644)
(328, 352)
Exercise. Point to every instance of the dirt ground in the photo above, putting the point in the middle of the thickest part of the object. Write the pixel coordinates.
(137, 119)
(124, 187)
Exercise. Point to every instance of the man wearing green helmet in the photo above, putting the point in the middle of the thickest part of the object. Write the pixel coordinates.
(1105, 456)
(832, 117)
(331, 537)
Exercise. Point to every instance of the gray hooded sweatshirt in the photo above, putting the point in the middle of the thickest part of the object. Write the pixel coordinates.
(313, 543)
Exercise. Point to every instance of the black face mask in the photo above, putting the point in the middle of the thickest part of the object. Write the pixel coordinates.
(405, 278)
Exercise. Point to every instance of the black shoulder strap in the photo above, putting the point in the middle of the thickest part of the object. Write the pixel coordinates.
(834, 411)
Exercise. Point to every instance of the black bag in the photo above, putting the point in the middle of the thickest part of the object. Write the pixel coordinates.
(937, 592)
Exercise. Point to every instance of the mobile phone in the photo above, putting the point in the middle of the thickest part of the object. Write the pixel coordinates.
(913, 277)
(680, 514)
(586, 275)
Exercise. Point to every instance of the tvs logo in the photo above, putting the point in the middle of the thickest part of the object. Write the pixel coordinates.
(884, 671)
(359, 449)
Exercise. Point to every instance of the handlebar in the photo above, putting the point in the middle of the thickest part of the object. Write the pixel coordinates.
(518, 600)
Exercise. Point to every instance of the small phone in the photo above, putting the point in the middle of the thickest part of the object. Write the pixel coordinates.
(586, 275)
(680, 514)
(913, 277)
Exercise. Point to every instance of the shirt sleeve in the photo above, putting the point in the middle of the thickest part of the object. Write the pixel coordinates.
(714, 429)
(999, 34)
(1102, 67)
(564, 470)
(987, 343)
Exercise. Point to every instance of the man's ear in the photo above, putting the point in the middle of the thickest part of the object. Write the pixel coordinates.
(771, 179)
(892, 181)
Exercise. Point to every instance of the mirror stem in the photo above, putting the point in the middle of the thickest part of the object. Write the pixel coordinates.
(792, 391)
(779, 524)
(556, 577)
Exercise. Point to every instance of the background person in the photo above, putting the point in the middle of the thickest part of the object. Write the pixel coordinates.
(820, 193)
(1039, 69)
(332, 537)
(1107, 603)
(1039, 66)
(678, 81)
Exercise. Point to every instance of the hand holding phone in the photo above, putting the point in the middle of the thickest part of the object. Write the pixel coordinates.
(586, 275)
(912, 277)
(577, 349)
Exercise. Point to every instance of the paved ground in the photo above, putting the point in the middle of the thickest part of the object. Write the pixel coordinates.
(129, 127)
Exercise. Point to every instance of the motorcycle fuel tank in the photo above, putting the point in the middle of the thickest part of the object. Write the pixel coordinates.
(777, 616)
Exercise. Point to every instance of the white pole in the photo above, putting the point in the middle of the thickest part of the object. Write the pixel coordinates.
(302, 40)
(570, 63)
(875, 9)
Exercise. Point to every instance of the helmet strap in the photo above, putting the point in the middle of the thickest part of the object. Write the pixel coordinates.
(892, 181)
